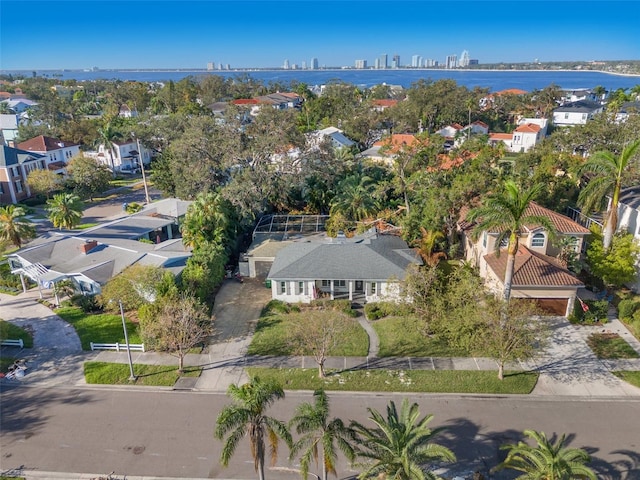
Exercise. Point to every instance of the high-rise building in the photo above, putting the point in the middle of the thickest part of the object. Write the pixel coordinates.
(211, 66)
(451, 61)
(304, 65)
(464, 59)
(395, 63)
(362, 64)
(314, 64)
(429, 62)
(416, 61)
(286, 64)
(376, 64)
(383, 61)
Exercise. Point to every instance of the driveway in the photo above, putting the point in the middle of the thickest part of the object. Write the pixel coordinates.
(56, 353)
(237, 310)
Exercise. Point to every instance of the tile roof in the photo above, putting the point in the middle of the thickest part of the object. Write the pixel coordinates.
(385, 102)
(396, 141)
(501, 136)
(42, 143)
(528, 128)
(562, 223)
(532, 269)
(511, 91)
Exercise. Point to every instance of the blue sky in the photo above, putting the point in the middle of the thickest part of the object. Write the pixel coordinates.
(188, 34)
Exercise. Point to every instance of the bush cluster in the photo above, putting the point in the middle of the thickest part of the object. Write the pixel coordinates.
(377, 310)
(597, 312)
(627, 308)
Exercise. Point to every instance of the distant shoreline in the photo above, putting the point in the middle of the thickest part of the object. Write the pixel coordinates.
(332, 69)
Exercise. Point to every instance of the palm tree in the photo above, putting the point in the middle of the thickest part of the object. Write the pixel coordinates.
(246, 416)
(547, 460)
(14, 227)
(427, 244)
(65, 210)
(355, 198)
(608, 173)
(400, 444)
(210, 218)
(507, 214)
(107, 134)
(320, 436)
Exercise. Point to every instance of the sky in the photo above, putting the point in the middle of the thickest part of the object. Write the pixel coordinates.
(114, 34)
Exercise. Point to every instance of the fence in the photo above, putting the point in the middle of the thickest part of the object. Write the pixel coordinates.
(12, 343)
(134, 347)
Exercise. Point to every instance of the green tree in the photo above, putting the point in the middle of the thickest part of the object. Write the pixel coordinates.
(43, 182)
(607, 174)
(210, 218)
(400, 444)
(181, 323)
(506, 214)
(354, 198)
(247, 417)
(134, 286)
(88, 176)
(615, 266)
(14, 226)
(107, 135)
(547, 460)
(512, 336)
(320, 436)
(427, 246)
(65, 210)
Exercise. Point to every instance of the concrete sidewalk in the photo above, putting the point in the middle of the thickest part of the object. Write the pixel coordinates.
(567, 367)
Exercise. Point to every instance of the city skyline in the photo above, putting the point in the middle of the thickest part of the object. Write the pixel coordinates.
(263, 34)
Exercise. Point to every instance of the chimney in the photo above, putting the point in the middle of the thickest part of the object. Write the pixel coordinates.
(88, 245)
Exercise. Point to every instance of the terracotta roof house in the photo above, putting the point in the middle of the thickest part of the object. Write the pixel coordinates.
(57, 152)
(538, 275)
(382, 104)
(384, 150)
(366, 268)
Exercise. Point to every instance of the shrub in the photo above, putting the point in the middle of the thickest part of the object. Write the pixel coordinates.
(627, 307)
(275, 306)
(343, 306)
(133, 207)
(597, 312)
(88, 303)
(377, 310)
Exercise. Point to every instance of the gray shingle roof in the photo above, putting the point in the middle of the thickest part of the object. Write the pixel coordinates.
(370, 257)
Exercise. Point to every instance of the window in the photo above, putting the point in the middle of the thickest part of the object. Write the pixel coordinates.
(484, 239)
(326, 283)
(538, 240)
(19, 186)
(283, 287)
(373, 288)
(566, 116)
(340, 283)
(300, 288)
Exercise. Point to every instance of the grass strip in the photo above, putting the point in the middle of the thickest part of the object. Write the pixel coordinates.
(610, 346)
(105, 373)
(630, 376)
(426, 381)
(98, 328)
(13, 332)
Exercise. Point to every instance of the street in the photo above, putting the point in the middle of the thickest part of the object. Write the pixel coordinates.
(167, 433)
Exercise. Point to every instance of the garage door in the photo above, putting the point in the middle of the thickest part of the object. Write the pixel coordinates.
(262, 269)
(553, 306)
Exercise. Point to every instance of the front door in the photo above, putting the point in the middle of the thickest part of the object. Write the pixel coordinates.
(359, 286)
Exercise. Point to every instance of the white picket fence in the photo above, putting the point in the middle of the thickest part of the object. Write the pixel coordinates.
(134, 347)
(12, 343)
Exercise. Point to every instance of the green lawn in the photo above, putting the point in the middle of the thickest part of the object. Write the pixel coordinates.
(149, 375)
(85, 226)
(100, 328)
(632, 377)
(610, 346)
(272, 337)
(10, 331)
(404, 337)
(431, 381)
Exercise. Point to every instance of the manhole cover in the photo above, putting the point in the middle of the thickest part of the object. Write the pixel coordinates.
(185, 383)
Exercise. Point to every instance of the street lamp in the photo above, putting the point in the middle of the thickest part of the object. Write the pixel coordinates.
(132, 377)
(144, 177)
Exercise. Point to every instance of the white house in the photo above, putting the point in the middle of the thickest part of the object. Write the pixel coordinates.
(576, 113)
(123, 156)
(629, 220)
(56, 152)
(538, 274)
(366, 268)
(335, 135)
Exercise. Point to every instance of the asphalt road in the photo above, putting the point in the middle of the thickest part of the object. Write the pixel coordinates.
(170, 433)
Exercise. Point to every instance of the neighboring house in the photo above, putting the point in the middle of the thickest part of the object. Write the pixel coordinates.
(629, 220)
(15, 166)
(451, 131)
(57, 152)
(126, 155)
(578, 94)
(538, 274)
(366, 268)
(127, 112)
(9, 127)
(524, 137)
(279, 101)
(335, 135)
(383, 104)
(92, 257)
(385, 150)
(478, 127)
(576, 113)
(626, 110)
(20, 105)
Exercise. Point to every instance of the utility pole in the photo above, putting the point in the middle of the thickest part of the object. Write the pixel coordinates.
(132, 377)
(144, 177)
